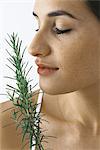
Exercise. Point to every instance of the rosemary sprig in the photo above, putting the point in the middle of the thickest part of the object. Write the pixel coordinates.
(25, 114)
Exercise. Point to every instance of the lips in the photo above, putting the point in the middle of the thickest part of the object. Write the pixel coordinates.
(45, 69)
(44, 65)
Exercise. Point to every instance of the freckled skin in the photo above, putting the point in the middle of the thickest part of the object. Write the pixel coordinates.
(71, 95)
(76, 53)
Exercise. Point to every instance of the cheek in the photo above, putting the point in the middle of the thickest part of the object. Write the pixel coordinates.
(80, 49)
(78, 60)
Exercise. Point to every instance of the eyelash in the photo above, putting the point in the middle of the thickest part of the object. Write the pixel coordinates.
(58, 31)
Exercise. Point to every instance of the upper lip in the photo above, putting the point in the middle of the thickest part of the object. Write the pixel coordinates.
(44, 65)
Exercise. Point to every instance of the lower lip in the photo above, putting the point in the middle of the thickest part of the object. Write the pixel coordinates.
(46, 71)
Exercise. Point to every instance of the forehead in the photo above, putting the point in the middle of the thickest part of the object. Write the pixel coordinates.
(77, 7)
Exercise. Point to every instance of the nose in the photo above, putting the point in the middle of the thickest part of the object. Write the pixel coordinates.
(39, 46)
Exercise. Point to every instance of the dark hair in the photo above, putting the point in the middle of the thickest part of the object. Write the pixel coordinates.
(94, 5)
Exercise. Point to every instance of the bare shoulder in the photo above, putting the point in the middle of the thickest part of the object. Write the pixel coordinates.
(10, 138)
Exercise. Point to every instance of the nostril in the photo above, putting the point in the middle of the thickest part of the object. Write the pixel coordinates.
(36, 55)
(33, 51)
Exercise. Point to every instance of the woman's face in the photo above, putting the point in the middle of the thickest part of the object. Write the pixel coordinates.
(75, 52)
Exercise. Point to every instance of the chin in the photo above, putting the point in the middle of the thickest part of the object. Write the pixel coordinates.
(51, 90)
(58, 87)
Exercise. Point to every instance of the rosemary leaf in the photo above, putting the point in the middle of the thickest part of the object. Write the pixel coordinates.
(25, 116)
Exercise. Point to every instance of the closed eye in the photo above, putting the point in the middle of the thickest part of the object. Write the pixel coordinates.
(58, 31)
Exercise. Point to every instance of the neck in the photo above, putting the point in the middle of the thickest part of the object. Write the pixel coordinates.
(79, 107)
(82, 106)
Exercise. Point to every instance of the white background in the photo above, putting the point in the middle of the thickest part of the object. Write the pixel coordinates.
(15, 16)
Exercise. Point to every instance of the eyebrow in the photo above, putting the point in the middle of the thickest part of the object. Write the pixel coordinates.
(57, 13)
